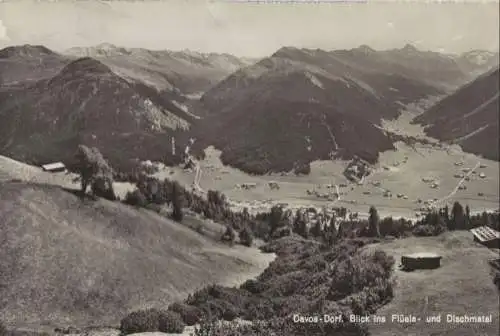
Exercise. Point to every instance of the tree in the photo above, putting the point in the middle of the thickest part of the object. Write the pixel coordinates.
(317, 229)
(373, 222)
(485, 220)
(275, 218)
(300, 225)
(177, 202)
(467, 217)
(136, 198)
(446, 214)
(457, 217)
(340, 231)
(95, 171)
(330, 232)
(228, 235)
(343, 212)
(246, 236)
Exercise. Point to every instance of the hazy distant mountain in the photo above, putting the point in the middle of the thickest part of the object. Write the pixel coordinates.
(28, 64)
(477, 62)
(468, 117)
(88, 103)
(300, 105)
(437, 69)
(190, 72)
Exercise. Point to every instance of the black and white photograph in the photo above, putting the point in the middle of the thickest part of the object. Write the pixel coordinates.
(249, 168)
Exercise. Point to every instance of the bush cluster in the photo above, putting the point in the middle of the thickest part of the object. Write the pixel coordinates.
(305, 277)
(151, 320)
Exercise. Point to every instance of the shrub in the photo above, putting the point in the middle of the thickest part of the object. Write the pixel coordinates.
(140, 321)
(229, 315)
(170, 322)
(496, 280)
(253, 286)
(3, 330)
(200, 229)
(427, 230)
(246, 237)
(229, 235)
(358, 272)
(150, 320)
(136, 198)
(103, 187)
(190, 315)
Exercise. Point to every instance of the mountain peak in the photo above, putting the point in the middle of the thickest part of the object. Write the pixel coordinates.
(106, 46)
(364, 49)
(85, 65)
(409, 48)
(26, 50)
(286, 52)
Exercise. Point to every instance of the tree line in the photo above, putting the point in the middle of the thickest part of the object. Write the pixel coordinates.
(277, 222)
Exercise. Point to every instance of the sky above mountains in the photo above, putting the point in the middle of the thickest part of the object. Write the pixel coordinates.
(249, 29)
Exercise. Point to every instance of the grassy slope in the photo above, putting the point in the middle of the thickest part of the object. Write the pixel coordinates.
(64, 259)
(463, 285)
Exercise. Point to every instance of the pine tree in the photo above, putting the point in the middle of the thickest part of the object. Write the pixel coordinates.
(446, 213)
(373, 222)
(229, 235)
(300, 225)
(467, 217)
(340, 231)
(246, 236)
(177, 202)
(317, 229)
(457, 221)
(275, 218)
(330, 232)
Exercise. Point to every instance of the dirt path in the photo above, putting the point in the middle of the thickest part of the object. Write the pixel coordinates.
(454, 191)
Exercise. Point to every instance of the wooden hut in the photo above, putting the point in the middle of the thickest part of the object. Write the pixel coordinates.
(486, 236)
(54, 167)
(415, 261)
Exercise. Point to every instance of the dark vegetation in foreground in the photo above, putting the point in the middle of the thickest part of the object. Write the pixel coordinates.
(307, 278)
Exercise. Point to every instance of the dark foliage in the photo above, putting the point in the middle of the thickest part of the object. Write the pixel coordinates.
(170, 322)
(151, 320)
(246, 236)
(190, 315)
(228, 236)
(177, 202)
(140, 321)
(303, 276)
(136, 198)
(95, 171)
(373, 222)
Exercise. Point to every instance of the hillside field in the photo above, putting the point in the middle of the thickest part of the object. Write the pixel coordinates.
(462, 285)
(80, 262)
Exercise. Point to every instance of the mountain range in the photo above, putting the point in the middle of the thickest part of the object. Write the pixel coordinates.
(272, 114)
(301, 105)
(50, 102)
(186, 71)
(468, 117)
